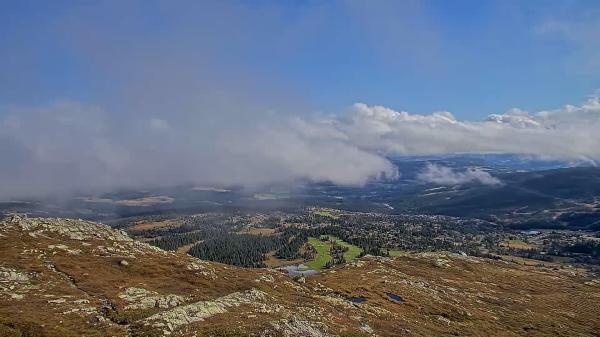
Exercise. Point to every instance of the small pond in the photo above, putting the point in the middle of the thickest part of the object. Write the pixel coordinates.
(298, 270)
(395, 297)
(357, 299)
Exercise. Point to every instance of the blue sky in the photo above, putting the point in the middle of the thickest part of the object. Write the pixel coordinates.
(96, 95)
(472, 58)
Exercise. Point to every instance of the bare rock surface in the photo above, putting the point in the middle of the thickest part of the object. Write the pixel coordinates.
(170, 320)
(73, 229)
(140, 298)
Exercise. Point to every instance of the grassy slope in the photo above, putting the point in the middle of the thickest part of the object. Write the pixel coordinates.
(353, 251)
(323, 254)
(468, 297)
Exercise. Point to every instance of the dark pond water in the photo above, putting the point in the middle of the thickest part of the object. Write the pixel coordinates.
(357, 299)
(394, 297)
(298, 270)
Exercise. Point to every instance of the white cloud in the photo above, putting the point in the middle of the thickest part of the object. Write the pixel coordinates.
(443, 175)
(515, 117)
(69, 147)
(190, 104)
(569, 133)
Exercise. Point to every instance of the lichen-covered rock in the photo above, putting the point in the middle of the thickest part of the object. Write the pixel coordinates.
(266, 278)
(65, 248)
(14, 284)
(442, 263)
(170, 320)
(10, 275)
(202, 267)
(75, 229)
(296, 326)
(140, 298)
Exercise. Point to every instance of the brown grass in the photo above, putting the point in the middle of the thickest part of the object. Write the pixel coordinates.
(144, 226)
(274, 262)
(462, 296)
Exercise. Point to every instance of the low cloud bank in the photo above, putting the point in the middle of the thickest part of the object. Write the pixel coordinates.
(68, 147)
(443, 175)
(570, 132)
(71, 147)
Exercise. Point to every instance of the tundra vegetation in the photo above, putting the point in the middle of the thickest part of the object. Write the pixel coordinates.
(78, 278)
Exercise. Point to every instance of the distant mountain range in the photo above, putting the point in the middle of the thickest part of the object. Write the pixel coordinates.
(531, 194)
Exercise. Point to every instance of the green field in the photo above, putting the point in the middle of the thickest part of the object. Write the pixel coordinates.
(326, 213)
(323, 256)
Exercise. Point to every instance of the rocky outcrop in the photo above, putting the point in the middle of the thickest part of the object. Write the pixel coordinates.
(140, 298)
(14, 284)
(295, 326)
(9, 275)
(171, 319)
(71, 228)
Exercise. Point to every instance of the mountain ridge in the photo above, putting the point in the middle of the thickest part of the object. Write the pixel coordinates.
(75, 277)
